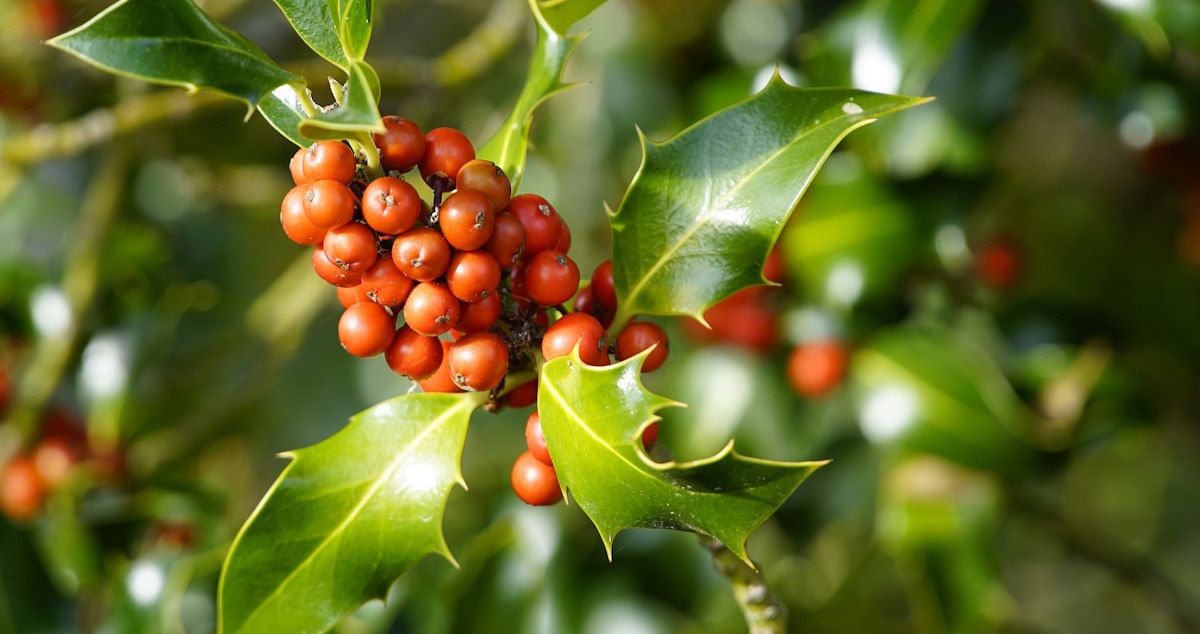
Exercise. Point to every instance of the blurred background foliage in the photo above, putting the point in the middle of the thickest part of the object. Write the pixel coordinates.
(1015, 268)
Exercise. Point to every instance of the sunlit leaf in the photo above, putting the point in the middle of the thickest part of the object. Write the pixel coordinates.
(313, 21)
(347, 517)
(358, 115)
(561, 14)
(284, 110)
(354, 26)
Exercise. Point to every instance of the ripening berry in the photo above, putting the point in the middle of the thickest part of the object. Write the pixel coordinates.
(431, 309)
(296, 225)
(480, 315)
(466, 219)
(296, 167)
(366, 329)
(478, 361)
(446, 151)
(815, 368)
(536, 440)
(421, 253)
(742, 319)
(352, 295)
(584, 303)
(22, 491)
(390, 205)
(650, 436)
(331, 273)
(523, 395)
(328, 204)
(640, 336)
(576, 328)
(441, 380)
(998, 264)
(603, 290)
(551, 278)
(487, 177)
(543, 228)
(402, 146)
(414, 355)
(329, 160)
(351, 247)
(473, 275)
(535, 482)
(564, 239)
(507, 241)
(385, 284)
(53, 457)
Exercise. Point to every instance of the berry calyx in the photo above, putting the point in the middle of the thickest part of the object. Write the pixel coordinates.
(640, 336)
(331, 272)
(385, 284)
(466, 219)
(350, 295)
(576, 328)
(431, 309)
(534, 482)
(390, 205)
(351, 247)
(328, 204)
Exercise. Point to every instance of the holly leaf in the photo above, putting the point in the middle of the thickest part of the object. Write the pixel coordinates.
(347, 517)
(508, 146)
(354, 26)
(284, 110)
(357, 116)
(173, 42)
(561, 14)
(593, 418)
(704, 208)
(313, 22)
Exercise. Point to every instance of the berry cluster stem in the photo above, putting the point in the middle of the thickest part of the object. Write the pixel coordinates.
(764, 613)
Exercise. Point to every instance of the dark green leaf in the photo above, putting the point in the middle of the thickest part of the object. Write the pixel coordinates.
(174, 42)
(561, 14)
(593, 419)
(354, 26)
(357, 116)
(284, 111)
(705, 207)
(313, 21)
(508, 146)
(347, 517)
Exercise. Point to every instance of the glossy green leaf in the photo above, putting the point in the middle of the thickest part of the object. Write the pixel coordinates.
(284, 110)
(705, 207)
(593, 420)
(313, 21)
(916, 36)
(508, 146)
(354, 25)
(930, 390)
(357, 116)
(347, 517)
(561, 14)
(174, 42)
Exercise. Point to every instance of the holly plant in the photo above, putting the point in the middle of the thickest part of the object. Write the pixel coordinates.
(463, 283)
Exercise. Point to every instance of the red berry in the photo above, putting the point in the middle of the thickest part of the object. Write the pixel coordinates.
(446, 151)
(296, 225)
(53, 457)
(402, 146)
(366, 329)
(329, 160)
(466, 219)
(740, 319)
(650, 436)
(331, 273)
(576, 328)
(431, 309)
(421, 253)
(22, 491)
(351, 247)
(473, 275)
(640, 336)
(328, 204)
(478, 361)
(524, 394)
(564, 239)
(480, 315)
(351, 295)
(584, 303)
(536, 440)
(414, 355)
(441, 381)
(551, 278)
(535, 482)
(543, 227)
(390, 205)
(814, 369)
(296, 167)
(603, 290)
(507, 241)
(998, 264)
(487, 177)
(385, 284)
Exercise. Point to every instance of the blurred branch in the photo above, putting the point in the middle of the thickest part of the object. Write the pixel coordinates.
(764, 613)
(53, 351)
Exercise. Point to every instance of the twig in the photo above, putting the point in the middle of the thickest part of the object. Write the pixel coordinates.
(764, 613)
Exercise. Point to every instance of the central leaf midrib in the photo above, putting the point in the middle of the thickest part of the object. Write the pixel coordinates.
(391, 468)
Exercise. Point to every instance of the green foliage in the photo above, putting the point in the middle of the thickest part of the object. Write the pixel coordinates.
(174, 42)
(353, 19)
(561, 14)
(285, 111)
(313, 22)
(356, 117)
(705, 207)
(347, 517)
(593, 419)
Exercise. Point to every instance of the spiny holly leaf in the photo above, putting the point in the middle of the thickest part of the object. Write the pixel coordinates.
(593, 418)
(354, 26)
(174, 42)
(705, 207)
(284, 110)
(347, 517)
(561, 14)
(508, 146)
(313, 21)
(357, 116)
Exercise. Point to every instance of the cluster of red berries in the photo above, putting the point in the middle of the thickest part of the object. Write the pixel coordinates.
(28, 478)
(475, 274)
